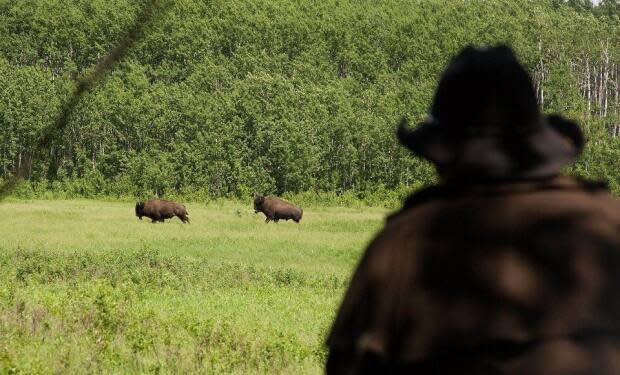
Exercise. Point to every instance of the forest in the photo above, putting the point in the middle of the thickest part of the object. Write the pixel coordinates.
(223, 98)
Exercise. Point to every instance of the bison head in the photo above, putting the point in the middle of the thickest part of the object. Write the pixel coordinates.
(258, 203)
(140, 210)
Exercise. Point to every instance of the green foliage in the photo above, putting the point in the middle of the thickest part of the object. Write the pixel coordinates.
(227, 97)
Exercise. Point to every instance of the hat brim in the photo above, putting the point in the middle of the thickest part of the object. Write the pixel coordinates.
(555, 143)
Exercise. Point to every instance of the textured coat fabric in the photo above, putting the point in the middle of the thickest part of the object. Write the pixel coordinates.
(514, 277)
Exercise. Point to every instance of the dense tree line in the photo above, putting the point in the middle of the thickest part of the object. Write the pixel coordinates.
(226, 97)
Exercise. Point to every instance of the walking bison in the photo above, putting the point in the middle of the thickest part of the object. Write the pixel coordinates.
(159, 210)
(276, 209)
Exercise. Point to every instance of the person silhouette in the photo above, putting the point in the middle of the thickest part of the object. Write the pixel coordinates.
(506, 266)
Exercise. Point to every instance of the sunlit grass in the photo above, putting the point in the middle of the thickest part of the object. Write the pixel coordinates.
(86, 287)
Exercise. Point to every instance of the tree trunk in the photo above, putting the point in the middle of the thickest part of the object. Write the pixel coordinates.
(588, 89)
(605, 79)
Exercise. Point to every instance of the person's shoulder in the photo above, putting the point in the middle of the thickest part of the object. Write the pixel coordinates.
(425, 195)
(596, 191)
(391, 247)
(604, 200)
(568, 189)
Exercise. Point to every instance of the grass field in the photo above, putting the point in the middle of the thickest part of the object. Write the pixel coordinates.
(86, 287)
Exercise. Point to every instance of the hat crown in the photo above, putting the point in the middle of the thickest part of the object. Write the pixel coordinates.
(486, 90)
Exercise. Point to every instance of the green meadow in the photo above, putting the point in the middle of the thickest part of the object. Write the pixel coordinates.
(86, 287)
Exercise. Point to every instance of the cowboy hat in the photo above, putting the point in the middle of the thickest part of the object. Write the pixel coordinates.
(485, 121)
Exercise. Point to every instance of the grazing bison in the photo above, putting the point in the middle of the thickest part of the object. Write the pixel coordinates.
(159, 210)
(276, 209)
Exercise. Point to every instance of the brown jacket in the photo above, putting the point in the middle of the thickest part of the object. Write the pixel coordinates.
(510, 278)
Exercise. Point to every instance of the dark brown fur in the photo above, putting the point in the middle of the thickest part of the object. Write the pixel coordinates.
(276, 209)
(159, 210)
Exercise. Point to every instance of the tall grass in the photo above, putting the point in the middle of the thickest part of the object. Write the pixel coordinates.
(87, 287)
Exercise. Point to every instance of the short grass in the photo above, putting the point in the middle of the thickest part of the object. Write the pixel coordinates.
(85, 287)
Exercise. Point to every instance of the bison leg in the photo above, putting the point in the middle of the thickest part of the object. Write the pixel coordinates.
(153, 221)
(267, 219)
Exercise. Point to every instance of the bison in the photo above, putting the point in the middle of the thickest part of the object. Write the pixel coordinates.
(159, 210)
(276, 209)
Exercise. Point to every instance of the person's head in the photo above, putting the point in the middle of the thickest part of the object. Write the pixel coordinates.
(485, 122)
